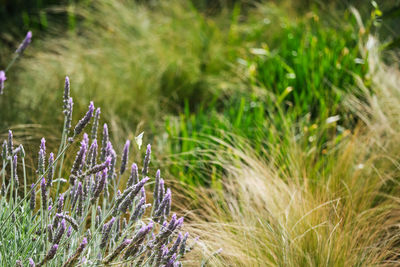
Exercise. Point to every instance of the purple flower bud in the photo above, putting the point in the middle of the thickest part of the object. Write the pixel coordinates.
(85, 120)
(106, 233)
(161, 190)
(104, 143)
(95, 125)
(137, 240)
(25, 43)
(10, 143)
(32, 202)
(175, 246)
(125, 155)
(50, 174)
(44, 194)
(3, 78)
(146, 161)
(134, 177)
(31, 263)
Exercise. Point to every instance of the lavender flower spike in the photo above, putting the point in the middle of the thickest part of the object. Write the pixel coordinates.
(25, 43)
(134, 177)
(50, 255)
(156, 198)
(4, 150)
(100, 186)
(106, 233)
(68, 114)
(31, 263)
(75, 257)
(3, 78)
(60, 232)
(125, 155)
(117, 251)
(50, 174)
(15, 176)
(85, 120)
(146, 161)
(43, 144)
(44, 194)
(95, 125)
(66, 93)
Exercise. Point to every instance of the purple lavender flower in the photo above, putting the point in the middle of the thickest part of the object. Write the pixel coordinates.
(137, 240)
(92, 155)
(43, 145)
(78, 161)
(15, 176)
(50, 232)
(69, 231)
(4, 150)
(111, 172)
(134, 177)
(50, 255)
(135, 214)
(125, 155)
(171, 261)
(66, 94)
(104, 143)
(85, 120)
(85, 139)
(117, 251)
(95, 125)
(175, 246)
(31, 263)
(60, 232)
(146, 161)
(3, 78)
(10, 143)
(50, 174)
(75, 257)
(79, 197)
(100, 167)
(25, 43)
(162, 207)
(32, 202)
(182, 249)
(41, 162)
(106, 233)
(69, 219)
(68, 114)
(100, 186)
(44, 194)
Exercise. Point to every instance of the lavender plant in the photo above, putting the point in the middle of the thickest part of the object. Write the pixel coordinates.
(87, 215)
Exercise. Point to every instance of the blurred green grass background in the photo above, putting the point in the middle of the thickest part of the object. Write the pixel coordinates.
(183, 71)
